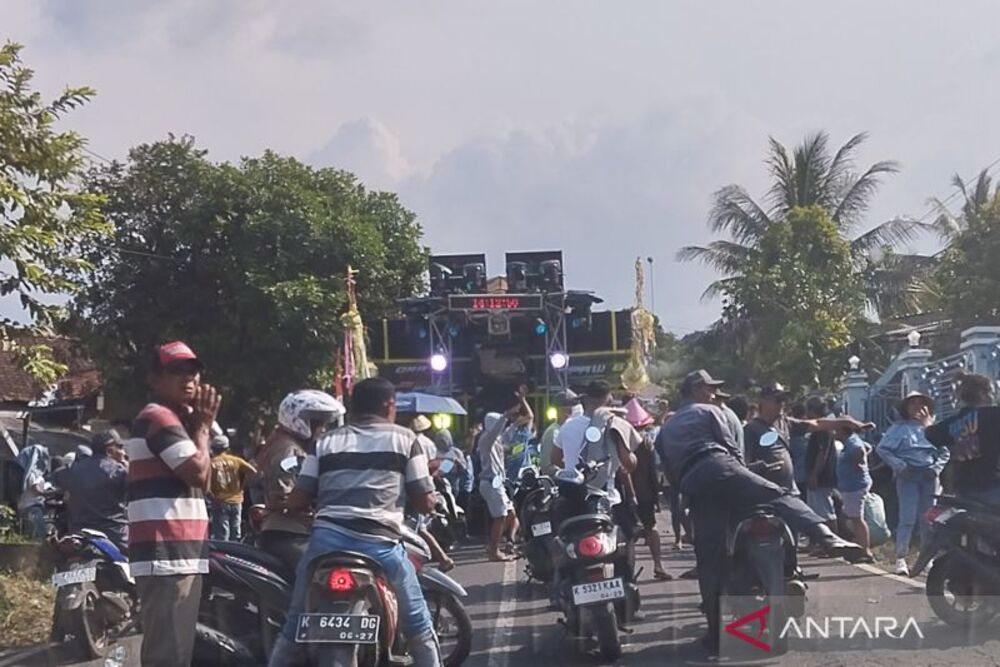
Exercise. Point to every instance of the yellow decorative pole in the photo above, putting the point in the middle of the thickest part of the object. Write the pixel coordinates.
(356, 365)
(635, 377)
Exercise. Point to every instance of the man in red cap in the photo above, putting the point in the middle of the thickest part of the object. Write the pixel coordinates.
(170, 469)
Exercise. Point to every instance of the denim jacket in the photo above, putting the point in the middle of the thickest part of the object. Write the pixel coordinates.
(905, 444)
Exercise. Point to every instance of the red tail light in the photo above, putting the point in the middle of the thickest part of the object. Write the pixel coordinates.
(761, 528)
(341, 581)
(931, 515)
(589, 547)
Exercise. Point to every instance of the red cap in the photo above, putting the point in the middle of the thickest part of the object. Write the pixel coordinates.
(171, 353)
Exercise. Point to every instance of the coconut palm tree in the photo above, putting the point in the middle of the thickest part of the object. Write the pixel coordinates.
(811, 176)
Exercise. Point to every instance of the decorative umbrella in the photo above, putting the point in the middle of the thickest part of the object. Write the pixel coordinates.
(415, 401)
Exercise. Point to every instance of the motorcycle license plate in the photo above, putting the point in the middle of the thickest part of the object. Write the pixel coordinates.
(78, 576)
(543, 528)
(599, 591)
(338, 628)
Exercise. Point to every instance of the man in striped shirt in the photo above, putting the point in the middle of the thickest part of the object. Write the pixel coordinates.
(361, 477)
(169, 470)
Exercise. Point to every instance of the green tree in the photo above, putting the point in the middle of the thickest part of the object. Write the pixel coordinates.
(802, 297)
(967, 278)
(42, 209)
(244, 261)
(811, 176)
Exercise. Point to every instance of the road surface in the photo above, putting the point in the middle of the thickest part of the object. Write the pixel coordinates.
(513, 628)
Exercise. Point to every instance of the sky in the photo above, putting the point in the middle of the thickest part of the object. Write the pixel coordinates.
(598, 128)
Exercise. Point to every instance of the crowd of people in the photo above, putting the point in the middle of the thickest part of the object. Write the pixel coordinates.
(175, 481)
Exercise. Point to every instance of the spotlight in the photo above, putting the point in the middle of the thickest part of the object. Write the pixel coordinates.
(441, 421)
(439, 362)
(558, 360)
(552, 413)
(541, 328)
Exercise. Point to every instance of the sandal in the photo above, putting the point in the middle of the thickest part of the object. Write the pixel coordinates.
(660, 575)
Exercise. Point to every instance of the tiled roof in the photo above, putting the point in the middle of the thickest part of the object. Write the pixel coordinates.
(82, 380)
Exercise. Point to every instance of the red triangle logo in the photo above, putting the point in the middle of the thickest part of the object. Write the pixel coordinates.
(756, 620)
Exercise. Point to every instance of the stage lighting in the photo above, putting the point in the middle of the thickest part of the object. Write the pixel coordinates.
(439, 362)
(552, 413)
(517, 277)
(442, 422)
(541, 328)
(558, 360)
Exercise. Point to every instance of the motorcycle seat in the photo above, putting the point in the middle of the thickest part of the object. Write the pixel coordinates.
(252, 554)
(569, 526)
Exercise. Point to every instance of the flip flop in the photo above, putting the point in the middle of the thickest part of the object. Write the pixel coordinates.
(662, 576)
(499, 558)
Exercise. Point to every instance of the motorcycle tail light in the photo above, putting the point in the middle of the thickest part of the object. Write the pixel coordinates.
(590, 546)
(931, 515)
(761, 528)
(341, 581)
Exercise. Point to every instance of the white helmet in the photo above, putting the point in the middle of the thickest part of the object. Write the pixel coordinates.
(300, 407)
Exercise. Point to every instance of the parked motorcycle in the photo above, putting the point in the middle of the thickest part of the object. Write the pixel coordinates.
(96, 601)
(762, 566)
(963, 551)
(247, 593)
(597, 592)
(447, 523)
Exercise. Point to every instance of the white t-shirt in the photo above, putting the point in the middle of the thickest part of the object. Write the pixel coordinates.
(570, 439)
(426, 444)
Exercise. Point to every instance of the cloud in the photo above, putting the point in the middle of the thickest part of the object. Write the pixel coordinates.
(369, 149)
(604, 192)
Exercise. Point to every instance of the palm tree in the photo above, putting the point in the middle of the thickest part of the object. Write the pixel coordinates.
(810, 176)
(950, 226)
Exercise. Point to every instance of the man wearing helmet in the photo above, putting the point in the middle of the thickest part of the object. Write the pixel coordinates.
(302, 417)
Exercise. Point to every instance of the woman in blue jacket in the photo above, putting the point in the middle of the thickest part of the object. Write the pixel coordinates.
(916, 466)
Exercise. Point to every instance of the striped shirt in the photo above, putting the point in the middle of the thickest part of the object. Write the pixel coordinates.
(361, 475)
(168, 520)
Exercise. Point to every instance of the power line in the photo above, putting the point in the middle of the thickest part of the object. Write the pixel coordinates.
(957, 191)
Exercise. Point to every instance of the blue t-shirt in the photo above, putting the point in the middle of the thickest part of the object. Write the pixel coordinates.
(850, 476)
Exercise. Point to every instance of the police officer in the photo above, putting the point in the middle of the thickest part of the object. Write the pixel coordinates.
(702, 456)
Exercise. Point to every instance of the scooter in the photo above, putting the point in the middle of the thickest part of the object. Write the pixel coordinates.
(533, 506)
(761, 567)
(963, 551)
(96, 600)
(597, 589)
(247, 594)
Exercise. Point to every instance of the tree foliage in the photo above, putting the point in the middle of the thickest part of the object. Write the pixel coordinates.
(967, 279)
(244, 261)
(800, 298)
(43, 210)
(810, 175)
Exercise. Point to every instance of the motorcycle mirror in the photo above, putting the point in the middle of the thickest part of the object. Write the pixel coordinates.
(289, 464)
(593, 434)
(769, 439)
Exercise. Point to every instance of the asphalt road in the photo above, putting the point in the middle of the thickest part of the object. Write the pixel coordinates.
(513, 628)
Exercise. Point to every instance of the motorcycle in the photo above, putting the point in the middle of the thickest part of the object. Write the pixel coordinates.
(963, 552)
(247, 593)
(96, 601)
(762, 566)
(533, 506)
(597, 589)
(447, 523)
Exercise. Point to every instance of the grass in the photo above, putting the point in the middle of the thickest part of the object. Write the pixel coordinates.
(25, 609)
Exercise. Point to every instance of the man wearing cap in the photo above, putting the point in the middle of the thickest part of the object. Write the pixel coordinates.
(703, 457)
(169, 471)
(775, 462)
(916, 464)
(95, 489)
(565, 402)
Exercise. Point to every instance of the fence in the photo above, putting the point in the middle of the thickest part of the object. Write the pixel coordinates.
(914, 369)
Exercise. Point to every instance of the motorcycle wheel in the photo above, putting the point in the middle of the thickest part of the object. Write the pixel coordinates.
(963, 609)
(606, 628)
(453, 627)
(89, 627)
